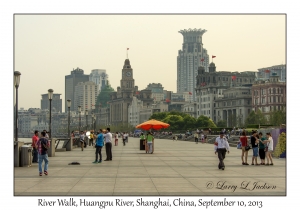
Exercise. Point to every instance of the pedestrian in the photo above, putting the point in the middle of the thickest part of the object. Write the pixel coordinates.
(269, 149)
(124, 138)
(98, 145)
(91, 143)
(221, 146)
(47, 134)
(42, 146)
(202, 138)
(261, 150)
(254, 144)
(82, 140)
(116, 139)
(244, 143)
(150, 139)
(108, 144)
(196, 137)
(35, 139)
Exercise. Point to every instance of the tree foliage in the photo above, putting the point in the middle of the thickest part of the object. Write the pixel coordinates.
(182, 121)
(256, 118)
(222, 124)
(104, 96)
(281, 145)
(278, 117)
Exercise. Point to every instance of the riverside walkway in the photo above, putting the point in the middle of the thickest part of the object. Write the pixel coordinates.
(175, 168)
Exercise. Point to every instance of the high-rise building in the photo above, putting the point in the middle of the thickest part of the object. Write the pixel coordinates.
(70, 82)
(190, 57)
(85, 95)
(99, 77)
(56, 104)
(157, 91)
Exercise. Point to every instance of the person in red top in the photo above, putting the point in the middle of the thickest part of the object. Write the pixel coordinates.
(244, 143)
(35, 139)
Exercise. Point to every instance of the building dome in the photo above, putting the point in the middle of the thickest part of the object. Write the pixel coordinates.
(212, 64)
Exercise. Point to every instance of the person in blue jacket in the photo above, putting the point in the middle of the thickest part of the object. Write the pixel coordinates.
(99, 145)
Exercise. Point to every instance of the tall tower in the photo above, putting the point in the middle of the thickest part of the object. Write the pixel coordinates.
(189, 59)
(127, 81)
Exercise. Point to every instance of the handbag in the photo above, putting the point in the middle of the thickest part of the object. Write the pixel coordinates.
(266, 148)
(247, 147)
(239, 145)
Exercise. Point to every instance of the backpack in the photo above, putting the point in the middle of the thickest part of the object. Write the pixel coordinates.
(44, 144)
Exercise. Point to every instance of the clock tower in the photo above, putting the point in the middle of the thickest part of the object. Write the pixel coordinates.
(127, 81)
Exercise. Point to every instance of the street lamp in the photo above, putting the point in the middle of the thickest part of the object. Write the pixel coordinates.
(69, 105)
(16, 83)
(50, 96)
(93, 121)
(86, 116)
(79, 111)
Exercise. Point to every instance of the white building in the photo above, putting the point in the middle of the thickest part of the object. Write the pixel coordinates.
(99, 77)
(189, 59)
(134, 111)
(85, 95)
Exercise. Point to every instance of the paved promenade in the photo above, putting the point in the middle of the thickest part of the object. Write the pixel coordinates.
(175, 168)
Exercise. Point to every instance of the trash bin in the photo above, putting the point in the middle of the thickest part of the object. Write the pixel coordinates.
(26, 156)
(142, 144)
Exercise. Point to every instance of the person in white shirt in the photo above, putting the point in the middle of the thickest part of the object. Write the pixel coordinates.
(269, 145)
(221, 146)
(108, 144)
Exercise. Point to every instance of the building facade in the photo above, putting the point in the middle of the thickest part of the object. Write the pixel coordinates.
(189, 58)
(234, 106)
(56, 104)
(266, 73)
(76, 76)
(211, 86)
(157, 91)
(86, 95)
(269, 95)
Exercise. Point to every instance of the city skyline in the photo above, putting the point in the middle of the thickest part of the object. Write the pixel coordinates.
(48, 47)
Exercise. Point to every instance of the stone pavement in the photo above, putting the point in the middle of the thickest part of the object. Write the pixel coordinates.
(175, 168)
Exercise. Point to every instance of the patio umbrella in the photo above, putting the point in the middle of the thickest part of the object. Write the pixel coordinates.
(153, 124)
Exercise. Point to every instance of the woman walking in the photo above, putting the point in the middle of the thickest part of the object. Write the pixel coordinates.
(269, 149)
(244, 143)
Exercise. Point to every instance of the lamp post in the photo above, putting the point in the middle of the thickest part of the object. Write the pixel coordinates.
(69, 105)
(50, 96)
(86, 116)
(79, 112)
(16, 83)
(93, 121)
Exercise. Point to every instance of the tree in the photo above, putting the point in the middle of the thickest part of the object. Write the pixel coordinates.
(277, 117)
(204, 121)
(104, 96)
(175, 121)
(189, 122)
(256, 118)
(159, 116)
(222, 124)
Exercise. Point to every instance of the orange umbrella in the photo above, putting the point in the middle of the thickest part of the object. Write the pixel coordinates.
(153, 124)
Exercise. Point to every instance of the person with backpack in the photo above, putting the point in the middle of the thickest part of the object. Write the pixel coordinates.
(42, 147)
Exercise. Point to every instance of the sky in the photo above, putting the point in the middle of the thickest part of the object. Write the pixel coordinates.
(48, 47)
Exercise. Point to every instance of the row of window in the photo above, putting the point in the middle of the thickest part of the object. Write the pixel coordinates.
(272, 99)
(270, 91)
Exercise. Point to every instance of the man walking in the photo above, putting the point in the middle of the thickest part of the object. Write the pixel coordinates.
(42, 146)
(99, 145)
(35, 139)
(108, 144)
(221, 146)
(82, 140)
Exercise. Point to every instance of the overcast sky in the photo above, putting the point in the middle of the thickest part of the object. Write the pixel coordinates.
(48, 47)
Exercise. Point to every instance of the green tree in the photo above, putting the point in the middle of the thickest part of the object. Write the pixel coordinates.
(159, 116)
(222, 124)
(255, 118)
(278, 117)
(175, 121)
(104, 96)
(204, 121)
(189, 122)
